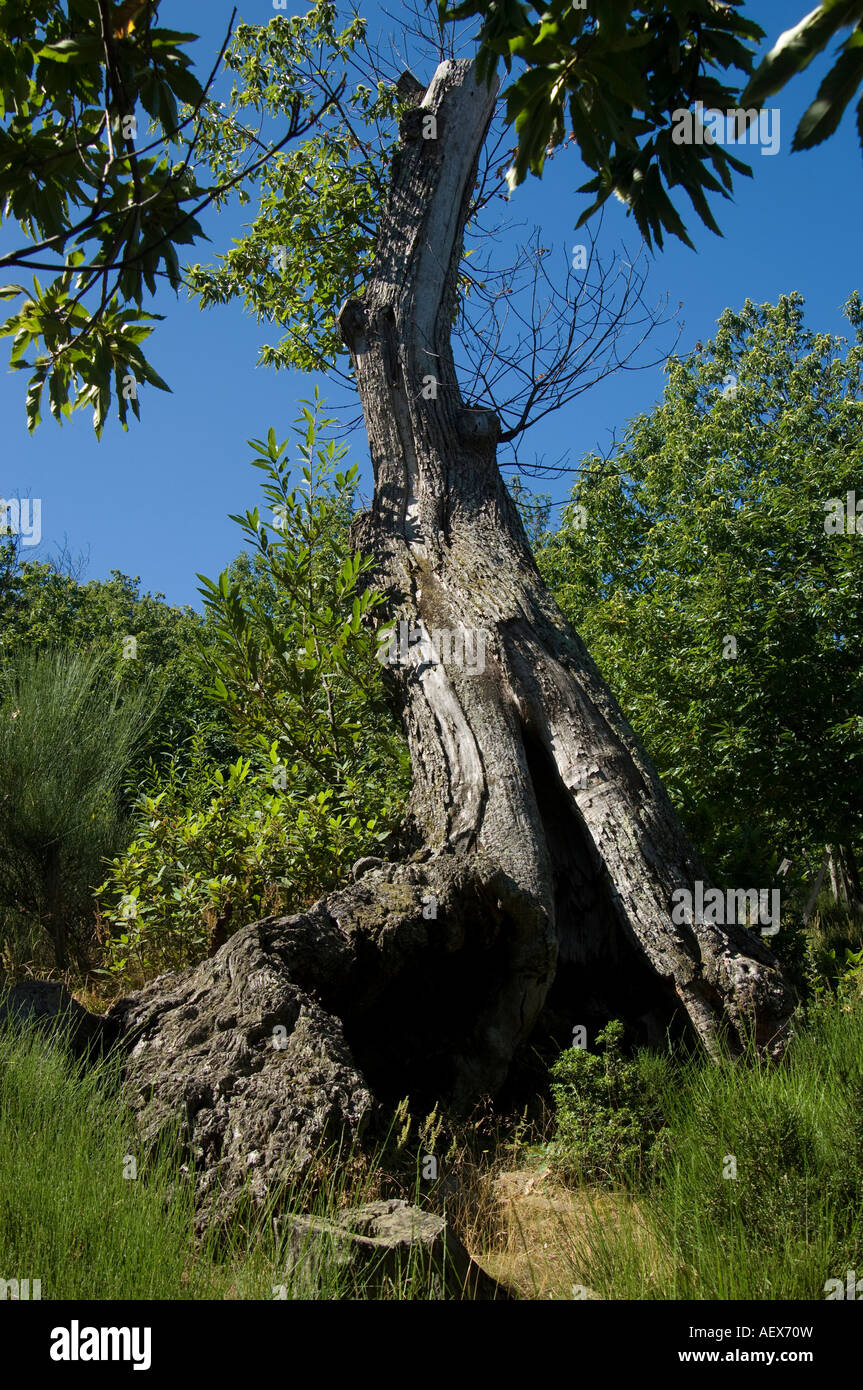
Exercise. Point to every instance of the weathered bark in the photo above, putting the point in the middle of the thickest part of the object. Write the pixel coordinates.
(259, 1060)
(837, 884)
(844, 876)
(547, 851)
(530, 759)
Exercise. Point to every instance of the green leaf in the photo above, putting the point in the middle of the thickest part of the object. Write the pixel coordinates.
(86, 49)
(797, 47)
(835, 93)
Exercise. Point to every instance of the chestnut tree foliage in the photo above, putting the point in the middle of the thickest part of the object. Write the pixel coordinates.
(609, 74)
(101, 124)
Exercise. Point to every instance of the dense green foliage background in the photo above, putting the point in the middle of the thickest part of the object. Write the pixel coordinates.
(701, 566)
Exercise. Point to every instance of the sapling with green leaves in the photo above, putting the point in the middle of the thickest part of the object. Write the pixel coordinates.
(288, 649)
(293, 658)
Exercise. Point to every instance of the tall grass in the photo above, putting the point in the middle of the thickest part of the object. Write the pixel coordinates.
(756, 1189)
(68, 1216)
(72, 1217)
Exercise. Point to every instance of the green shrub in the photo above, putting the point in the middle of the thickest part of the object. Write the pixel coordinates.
(142, 638)
(607, 1111)
(291, 649)
(227, 849)
(834, 939)
(68, 730)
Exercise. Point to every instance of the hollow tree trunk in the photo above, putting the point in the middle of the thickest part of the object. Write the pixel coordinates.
(549, 848)
(528, 759)
(816, 889)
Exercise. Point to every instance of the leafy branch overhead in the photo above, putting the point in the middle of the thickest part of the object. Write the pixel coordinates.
(102, 206)
(611, 75)
(529, 333)
(311, 241)
(795, 50)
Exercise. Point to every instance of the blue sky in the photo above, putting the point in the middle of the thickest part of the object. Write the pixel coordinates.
(154, 501)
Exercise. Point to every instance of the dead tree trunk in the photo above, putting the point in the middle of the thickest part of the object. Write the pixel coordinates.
(524, 755)
(549, 850)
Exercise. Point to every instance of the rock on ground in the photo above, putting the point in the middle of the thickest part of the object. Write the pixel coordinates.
(243, 1069)
(384, 1247)
(49, 1005)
